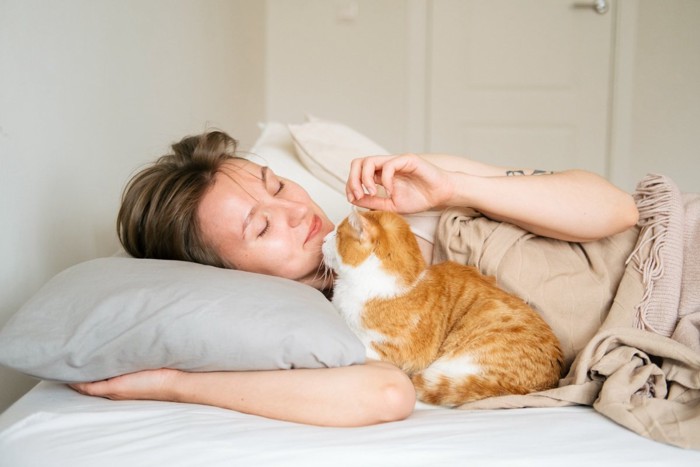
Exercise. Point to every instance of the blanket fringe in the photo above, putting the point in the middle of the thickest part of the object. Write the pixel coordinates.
(660, 215)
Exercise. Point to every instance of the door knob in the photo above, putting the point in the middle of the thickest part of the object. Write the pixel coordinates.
(600, 6)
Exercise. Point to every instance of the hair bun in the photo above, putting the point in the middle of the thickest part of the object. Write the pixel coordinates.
(205, 147)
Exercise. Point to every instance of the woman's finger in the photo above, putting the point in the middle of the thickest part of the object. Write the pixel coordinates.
(361, 175)
(369, 168)
(387, 177)
(97, 388)
(377, 203)
(353, 187)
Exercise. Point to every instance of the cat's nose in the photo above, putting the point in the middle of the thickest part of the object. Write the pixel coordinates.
(329, 237)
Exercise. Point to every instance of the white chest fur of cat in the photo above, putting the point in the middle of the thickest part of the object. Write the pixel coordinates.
(355, 286)
(452, 330)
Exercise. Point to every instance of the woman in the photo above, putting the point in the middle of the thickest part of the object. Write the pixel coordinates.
(204, 204)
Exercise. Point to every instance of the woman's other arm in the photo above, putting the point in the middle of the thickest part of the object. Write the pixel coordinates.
(572, 205)
(355, 395)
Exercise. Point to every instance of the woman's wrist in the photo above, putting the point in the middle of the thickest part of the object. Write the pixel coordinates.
(174, 386)
(459, 190)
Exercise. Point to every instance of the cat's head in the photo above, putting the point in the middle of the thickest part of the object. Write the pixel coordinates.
(379, 236)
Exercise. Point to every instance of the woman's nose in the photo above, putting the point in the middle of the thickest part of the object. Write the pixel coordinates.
(295, 212)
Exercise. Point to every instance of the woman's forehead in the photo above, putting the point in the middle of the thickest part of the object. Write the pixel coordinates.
(241, 168)
(240, 180)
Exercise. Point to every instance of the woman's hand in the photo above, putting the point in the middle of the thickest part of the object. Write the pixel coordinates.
(411, 184)
(148, 384)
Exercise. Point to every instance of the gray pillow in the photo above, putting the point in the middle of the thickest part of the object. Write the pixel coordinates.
(111, 316)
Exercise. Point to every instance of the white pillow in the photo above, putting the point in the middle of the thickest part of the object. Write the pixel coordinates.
(327, 148)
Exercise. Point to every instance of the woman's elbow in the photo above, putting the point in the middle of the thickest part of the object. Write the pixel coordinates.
(625, 214)
(616, 214)
(397, 398)
(632, 213)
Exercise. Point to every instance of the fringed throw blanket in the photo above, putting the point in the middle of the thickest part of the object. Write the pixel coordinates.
(625, 308)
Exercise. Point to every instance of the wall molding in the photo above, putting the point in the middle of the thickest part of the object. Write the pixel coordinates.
(418, 32)
(620, 160)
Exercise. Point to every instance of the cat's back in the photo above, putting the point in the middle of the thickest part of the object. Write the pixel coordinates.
(495, 343)
(452, 281)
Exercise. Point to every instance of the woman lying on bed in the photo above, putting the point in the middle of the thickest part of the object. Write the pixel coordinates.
(204, 204)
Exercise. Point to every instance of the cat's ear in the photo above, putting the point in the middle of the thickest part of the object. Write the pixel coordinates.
(355, 219)
(360, 224)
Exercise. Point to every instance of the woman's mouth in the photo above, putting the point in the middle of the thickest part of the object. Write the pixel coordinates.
(313, 228)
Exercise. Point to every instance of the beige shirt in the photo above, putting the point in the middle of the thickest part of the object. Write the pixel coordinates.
(424, 225)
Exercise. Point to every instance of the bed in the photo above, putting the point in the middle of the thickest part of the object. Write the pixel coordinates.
(54, 425)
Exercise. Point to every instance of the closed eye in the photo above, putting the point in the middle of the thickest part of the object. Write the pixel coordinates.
(265, 229)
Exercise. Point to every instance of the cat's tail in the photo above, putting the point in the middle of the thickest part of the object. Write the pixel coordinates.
(438, 387)
(450, 393)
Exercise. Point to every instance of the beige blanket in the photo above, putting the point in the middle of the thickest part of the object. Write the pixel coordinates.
(626, 309)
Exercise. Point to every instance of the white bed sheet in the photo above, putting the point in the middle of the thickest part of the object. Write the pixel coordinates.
(54, 426)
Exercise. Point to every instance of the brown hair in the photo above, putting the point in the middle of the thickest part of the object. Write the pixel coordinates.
(158, 213)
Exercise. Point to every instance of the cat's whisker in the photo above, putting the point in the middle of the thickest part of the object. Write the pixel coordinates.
(327, 275)
(323, 273)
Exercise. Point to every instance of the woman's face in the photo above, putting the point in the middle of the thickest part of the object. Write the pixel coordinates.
(259, 222)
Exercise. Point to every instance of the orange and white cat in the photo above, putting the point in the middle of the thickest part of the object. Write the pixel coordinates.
(450, 328)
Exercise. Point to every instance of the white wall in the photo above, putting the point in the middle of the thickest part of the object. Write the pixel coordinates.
(91, 90)
(345, 60)
(665, 126)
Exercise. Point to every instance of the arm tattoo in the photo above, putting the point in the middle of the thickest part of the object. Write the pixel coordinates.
(513, 173)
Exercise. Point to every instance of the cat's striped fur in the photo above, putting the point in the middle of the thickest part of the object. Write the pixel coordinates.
(451, 329)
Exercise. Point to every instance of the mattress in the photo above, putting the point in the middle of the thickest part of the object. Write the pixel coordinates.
(54, 426)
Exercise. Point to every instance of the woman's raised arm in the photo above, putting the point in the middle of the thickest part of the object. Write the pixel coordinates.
(355, 395)
(572, 205)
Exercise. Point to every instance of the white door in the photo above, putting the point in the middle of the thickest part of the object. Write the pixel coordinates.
(520, 82)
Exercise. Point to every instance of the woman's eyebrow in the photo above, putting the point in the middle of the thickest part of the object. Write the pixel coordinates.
(265, 171)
